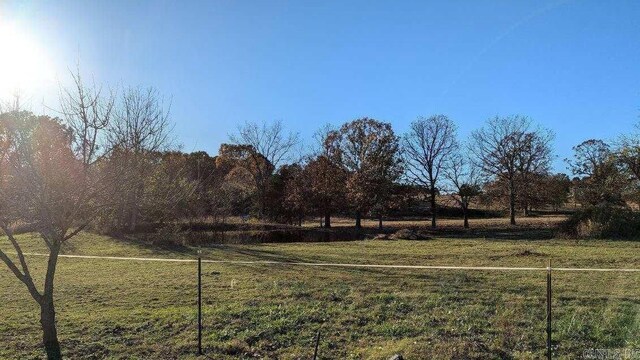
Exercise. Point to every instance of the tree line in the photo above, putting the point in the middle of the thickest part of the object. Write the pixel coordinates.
(363, 168)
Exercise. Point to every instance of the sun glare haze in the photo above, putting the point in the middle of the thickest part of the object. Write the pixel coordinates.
(24, 64)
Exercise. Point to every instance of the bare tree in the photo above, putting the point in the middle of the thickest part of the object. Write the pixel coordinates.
(320, 145)
(510, 149)
(268, 142)
(88, 111)
(14, 104)
(141, 130)
(466, 183)
(48, 180)
(427, 147)
(142, 123)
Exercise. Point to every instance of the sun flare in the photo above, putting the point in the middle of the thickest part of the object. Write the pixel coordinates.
(24, 66)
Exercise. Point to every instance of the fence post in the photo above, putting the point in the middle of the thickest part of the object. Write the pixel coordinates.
(315, 351)
(549, 310)
(199, 302)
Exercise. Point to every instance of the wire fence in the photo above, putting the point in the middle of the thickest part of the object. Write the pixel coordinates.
(314, 346)
(346, 265)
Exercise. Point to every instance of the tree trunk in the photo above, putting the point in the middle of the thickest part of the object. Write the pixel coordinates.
(49, 332)
(433, 207)
(380, 221)
(512, 203)
(465, 214)
(358, 220)
(47, 310)
(327, 220)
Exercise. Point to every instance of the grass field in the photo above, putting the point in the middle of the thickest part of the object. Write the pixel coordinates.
(120, 309)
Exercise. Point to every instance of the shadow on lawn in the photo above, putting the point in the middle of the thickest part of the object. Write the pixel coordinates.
(261, 254)
(147, 241)
(502, 233)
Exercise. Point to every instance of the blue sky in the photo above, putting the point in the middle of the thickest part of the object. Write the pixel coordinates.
(573, 66)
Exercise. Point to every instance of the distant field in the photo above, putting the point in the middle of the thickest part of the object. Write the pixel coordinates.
(121, 310)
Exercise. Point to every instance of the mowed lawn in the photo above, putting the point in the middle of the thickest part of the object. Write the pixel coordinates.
(147, 310)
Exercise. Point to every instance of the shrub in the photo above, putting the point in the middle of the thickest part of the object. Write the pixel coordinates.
(603, 221)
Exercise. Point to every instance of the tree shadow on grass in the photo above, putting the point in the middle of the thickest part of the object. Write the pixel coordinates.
(501, 233)
(260, 254)
(146, 241)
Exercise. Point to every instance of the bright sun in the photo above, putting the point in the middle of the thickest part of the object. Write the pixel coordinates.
(24, 67)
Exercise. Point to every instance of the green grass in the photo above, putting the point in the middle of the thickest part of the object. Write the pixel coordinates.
(118, 309)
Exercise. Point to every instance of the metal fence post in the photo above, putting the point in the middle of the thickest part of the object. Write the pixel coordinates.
(549, 311)
(315, 351)
(199, 303)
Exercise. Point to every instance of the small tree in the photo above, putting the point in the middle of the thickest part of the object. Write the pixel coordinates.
(466, 183)
(50, 180)
(427, 149)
